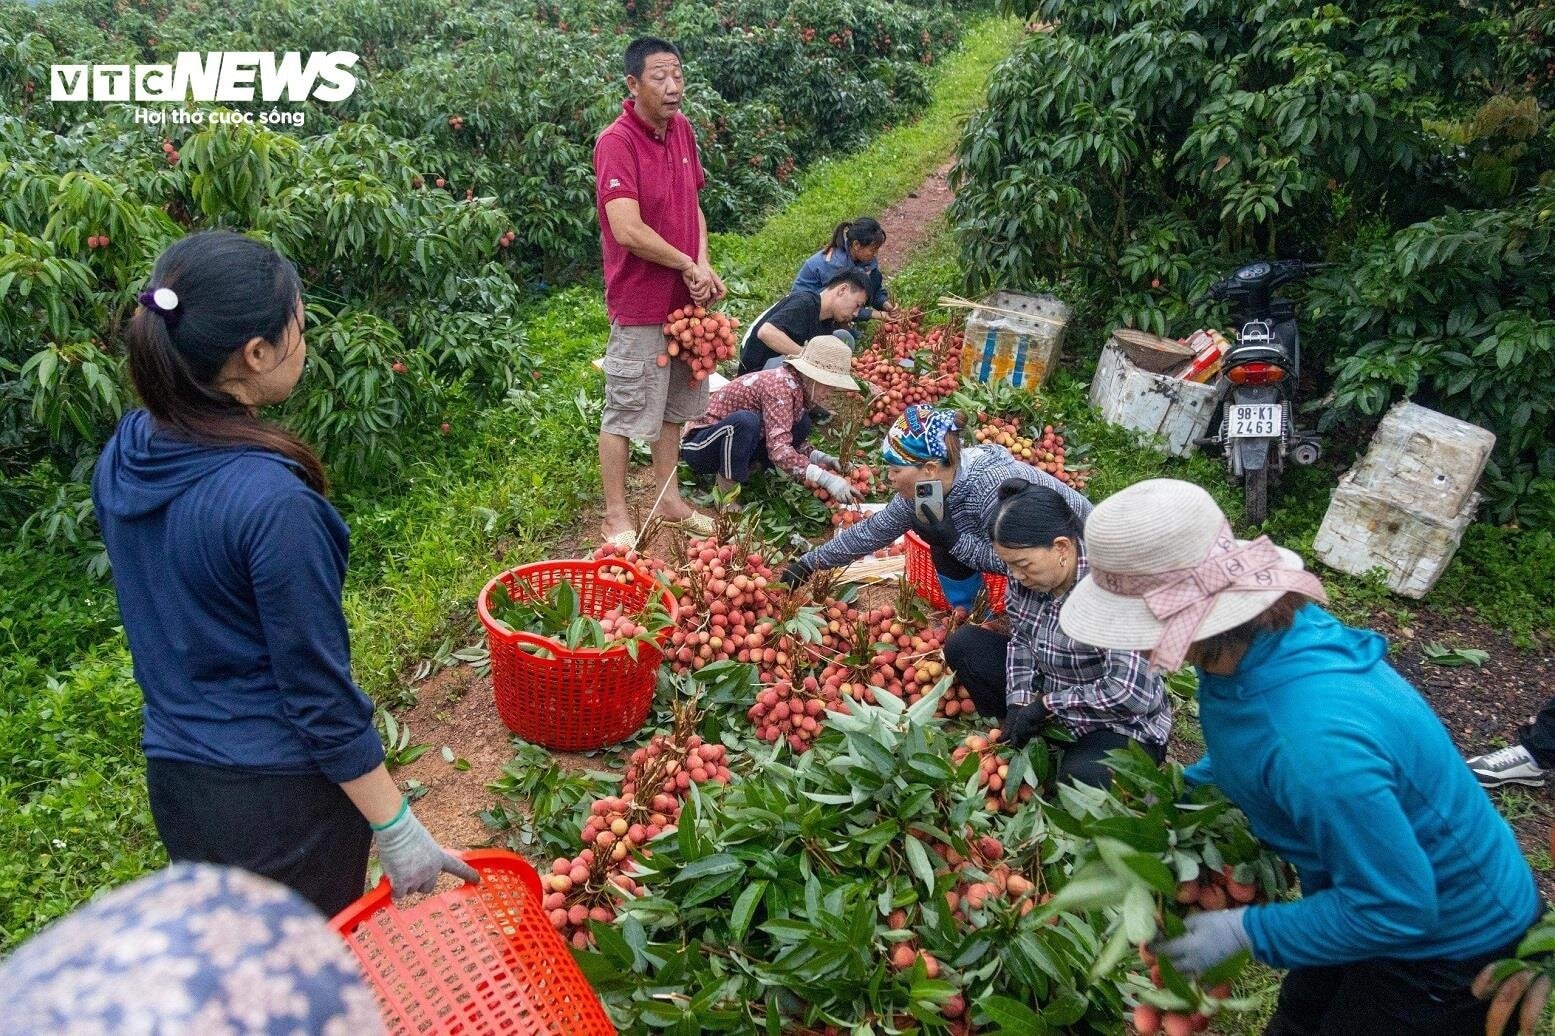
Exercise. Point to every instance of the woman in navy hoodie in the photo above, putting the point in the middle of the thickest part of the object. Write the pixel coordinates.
(1410, 880)
(228, 563)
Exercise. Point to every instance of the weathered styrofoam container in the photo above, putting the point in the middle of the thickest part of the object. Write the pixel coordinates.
(1176, 410)
(1404, 505)
(1016, 338)
(1363, 531)
(1425, 460)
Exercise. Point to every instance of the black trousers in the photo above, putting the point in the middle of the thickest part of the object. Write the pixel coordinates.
(301, 831)
(1373, 997)
(977, 655)
(735, 446)
(1539, 736)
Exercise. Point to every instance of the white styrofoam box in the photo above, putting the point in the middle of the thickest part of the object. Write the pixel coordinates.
(1176, 410)
(1014, 337)
(1364, 531)
(1426, 462)
(1404, 505)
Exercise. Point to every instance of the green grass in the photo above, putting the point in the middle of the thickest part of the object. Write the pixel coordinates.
(503, 486)
(892, 165)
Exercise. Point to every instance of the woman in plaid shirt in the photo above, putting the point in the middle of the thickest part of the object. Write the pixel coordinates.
(1104, 699)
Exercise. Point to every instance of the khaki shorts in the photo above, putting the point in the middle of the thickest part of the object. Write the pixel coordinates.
(641, 396)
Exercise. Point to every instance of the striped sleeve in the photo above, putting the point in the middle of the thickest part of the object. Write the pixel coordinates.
(880, 529)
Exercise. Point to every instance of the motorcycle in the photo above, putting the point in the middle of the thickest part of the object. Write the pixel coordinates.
(1262, 371)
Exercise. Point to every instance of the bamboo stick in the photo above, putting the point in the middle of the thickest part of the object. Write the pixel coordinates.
(955, 302)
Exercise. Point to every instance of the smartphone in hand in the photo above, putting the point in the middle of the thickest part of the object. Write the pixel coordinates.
(929, 501)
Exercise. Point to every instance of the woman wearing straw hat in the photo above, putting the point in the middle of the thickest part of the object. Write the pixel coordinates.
(923, 452)
(1412, 882)
(1035, 674)
(763, 418)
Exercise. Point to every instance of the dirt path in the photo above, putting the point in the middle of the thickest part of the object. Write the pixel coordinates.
(454, 706)
(907, 222)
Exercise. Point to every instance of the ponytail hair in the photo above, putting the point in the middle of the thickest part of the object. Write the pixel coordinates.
(230, 289)
(863, 231)
(953, 442)
(1030, 515)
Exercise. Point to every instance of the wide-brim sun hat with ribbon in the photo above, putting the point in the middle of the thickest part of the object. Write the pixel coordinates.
(826, 359)
(1166, 570)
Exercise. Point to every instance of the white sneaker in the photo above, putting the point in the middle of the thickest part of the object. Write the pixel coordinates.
(1513, 765)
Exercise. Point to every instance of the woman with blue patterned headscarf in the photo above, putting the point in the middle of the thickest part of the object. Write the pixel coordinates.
(194, 948)
(924, 446)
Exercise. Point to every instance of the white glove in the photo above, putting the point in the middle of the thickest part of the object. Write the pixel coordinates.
(1212, 936)
(412, 860)
(834, 484)
(825, 460)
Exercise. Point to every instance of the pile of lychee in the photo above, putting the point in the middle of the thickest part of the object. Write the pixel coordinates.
(892, 364)
(986, 880)
(733, 608)
(1044, 451)
(583, 888)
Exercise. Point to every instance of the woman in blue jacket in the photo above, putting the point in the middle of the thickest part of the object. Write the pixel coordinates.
(1411, 882)
(228, 564)
(853, 246)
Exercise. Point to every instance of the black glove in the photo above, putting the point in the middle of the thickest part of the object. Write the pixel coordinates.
(948, 565)
(942, 537)
(936, 532)
(794, 573)
(1023, 723)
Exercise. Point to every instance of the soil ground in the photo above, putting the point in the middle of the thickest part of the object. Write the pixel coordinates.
(908, 221)
(1482, 706)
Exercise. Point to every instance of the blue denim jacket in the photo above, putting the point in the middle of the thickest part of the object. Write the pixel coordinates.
(818, 270)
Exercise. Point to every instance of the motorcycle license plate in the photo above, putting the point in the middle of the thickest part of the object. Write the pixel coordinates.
(1254, 421)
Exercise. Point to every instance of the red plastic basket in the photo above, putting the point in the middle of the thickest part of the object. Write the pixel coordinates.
(478, 959)
(575, 700)
(924, 580)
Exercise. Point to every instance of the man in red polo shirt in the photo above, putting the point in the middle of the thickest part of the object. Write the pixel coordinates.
(647, 175)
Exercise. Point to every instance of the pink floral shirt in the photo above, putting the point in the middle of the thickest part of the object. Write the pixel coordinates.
(779, 398)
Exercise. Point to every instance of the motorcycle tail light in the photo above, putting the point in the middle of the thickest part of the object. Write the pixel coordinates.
(1256, 374)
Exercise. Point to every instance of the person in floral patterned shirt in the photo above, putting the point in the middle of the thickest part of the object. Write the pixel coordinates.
(194, 948)
(762, 418)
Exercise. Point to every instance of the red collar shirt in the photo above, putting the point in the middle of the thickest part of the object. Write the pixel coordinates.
(663, 172)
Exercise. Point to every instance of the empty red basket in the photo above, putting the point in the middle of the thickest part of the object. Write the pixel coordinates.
(476, 960)
(924, 580)
(575, 700)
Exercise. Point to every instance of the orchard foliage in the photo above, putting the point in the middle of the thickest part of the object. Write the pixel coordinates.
(863, 885)
(422, 211)
(1142, 149)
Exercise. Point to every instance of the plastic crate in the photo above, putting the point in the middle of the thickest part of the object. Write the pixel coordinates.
(574, 700)
(925, 581)
(475, 960)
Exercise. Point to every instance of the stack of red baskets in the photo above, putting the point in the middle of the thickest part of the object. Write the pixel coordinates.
(480, 959)
(574, 700)
(924, 580)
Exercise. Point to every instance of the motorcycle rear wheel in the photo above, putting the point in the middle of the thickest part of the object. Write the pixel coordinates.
(1255, 494)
